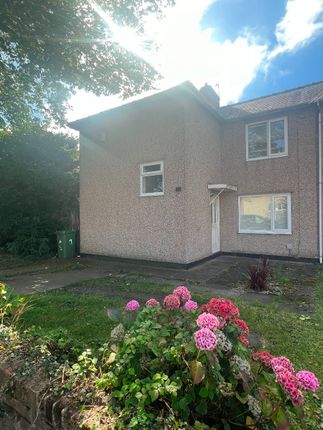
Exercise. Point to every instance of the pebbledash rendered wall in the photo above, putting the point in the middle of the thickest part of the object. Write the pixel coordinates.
(203, 166)
(295, 174)
(114, 219)
(197, 150)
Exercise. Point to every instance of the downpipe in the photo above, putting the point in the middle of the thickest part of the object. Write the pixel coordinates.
(320, 181)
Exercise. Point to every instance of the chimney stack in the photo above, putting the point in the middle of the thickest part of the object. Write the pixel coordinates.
(210, 96)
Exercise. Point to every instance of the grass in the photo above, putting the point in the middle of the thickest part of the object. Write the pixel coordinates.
(83, 315)
(11, 265)
(10, 261)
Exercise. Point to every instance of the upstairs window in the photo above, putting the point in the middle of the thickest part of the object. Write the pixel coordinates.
(152, 179)
(269, 213)
(267, 139)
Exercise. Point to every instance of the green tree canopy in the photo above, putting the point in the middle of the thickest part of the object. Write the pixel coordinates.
(39, 189)
(50, 48)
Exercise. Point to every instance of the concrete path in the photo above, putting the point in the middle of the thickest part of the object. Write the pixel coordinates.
(219, 276)
(208, 274)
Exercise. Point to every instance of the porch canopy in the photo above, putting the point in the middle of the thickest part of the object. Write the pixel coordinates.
(217, 189)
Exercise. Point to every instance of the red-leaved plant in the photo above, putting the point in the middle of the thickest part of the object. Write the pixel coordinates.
(259, 276)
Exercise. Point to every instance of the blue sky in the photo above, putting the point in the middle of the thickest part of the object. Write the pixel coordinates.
(300, 66)
(244, 48)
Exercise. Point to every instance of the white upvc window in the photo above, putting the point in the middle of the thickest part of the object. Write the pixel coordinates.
(265, 214)
(267, 139)
(152, 179)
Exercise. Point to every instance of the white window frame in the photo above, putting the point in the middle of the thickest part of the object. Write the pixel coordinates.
(153, 173)
(269, 154)
(273, 230)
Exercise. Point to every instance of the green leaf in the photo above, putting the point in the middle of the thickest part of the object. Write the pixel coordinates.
(281, 420)
(226, 425)
(198, 371)
(154, 394)
(201, 408)
(183, 404)
(250, 423)
(204, 392)
(267, 407)
(111, 358)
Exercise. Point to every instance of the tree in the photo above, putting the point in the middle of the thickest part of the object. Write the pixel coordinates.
(39, 189)
(50, 48)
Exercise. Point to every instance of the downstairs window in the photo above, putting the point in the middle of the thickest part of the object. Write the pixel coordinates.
(265, 214)
(152, 179)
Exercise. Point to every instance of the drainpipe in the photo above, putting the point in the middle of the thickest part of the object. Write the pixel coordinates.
(320, 181)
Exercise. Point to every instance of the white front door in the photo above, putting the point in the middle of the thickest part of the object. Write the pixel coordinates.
(215, 218)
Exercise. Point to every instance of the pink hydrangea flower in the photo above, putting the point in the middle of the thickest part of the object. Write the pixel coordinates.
(152, 303)
(190, 306)
(209, 321)
(308, 380)
(290, 385)
(133, 305)
(172, 302)
(183, 293)
(278, 362)
(205, 339)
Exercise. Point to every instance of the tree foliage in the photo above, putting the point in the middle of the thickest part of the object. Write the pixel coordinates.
(39, 189)
(50, 48)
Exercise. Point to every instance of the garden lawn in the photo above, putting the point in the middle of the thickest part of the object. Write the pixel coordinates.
(84, 316)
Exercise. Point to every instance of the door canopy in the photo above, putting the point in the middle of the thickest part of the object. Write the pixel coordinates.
(216, 189)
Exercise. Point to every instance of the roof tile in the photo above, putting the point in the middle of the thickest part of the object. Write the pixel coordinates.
(307, 94)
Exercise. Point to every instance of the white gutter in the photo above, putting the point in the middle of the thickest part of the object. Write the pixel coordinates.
(320, 182)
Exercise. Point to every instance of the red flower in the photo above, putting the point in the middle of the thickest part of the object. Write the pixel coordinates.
(263, 357)
(244, 340)
(222, 308)
(242, 326)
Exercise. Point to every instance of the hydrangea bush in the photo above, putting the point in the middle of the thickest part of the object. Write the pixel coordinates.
(178, 365)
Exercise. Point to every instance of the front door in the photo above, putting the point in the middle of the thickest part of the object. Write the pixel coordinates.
(215, 217)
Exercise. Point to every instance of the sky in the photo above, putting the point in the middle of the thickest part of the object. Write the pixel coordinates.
(243, 48)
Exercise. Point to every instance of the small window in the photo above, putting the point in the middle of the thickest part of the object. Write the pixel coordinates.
(152, 179)
(266, 214)
(266, 139)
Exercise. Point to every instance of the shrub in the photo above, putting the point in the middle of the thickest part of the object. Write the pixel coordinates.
(11, 306)
(34, 236)
(39, 189)
(259, 276)
(174, 368)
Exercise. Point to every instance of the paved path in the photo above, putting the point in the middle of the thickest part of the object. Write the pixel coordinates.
(29, 283)
(219, 276)
(208, 273)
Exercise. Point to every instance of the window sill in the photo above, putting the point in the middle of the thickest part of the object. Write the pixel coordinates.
(270, 157)
(276, 233)
(151, 195)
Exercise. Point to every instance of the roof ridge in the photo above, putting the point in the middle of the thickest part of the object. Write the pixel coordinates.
(273, 94)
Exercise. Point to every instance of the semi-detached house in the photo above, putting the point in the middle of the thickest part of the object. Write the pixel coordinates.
(173, 177)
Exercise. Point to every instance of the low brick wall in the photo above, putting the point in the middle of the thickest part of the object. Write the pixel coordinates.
(26, 405)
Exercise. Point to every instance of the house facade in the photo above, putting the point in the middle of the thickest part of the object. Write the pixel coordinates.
(175, 178)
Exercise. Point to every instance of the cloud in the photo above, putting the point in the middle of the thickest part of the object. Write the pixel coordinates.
(185, 52)
(188, 53)
(302, 21)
